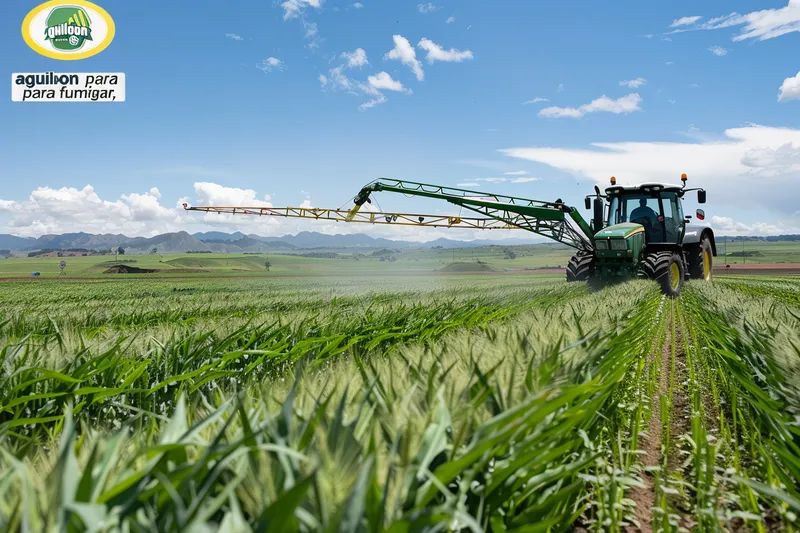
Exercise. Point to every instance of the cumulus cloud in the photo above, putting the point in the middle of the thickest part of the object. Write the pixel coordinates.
(728, 226)
(450, 20)
(383, 81)
(536, 100)
(270, 64)
(684, 21)
(427, 8)
(604, 104)
(66, 209)
(337, 80)
(295, 8)
(718, 50)
(758, 25)
(405, 53)
(761, 160)
(356, 58)
(789, 89)
(209, 193)
(358, 5)
(633, 84)
(146, 214)
(234, 37)
(437, 53)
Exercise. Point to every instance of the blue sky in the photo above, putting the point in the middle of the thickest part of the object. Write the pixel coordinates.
(234, 101)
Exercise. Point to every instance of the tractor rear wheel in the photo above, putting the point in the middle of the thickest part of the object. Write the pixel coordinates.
(580, 267)
(667, 269)
(701, 260)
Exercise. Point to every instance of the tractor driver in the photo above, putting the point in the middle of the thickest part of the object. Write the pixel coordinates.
(644, 211)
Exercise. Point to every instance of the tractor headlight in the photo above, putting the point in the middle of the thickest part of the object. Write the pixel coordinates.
(602, 244)
(619, 244)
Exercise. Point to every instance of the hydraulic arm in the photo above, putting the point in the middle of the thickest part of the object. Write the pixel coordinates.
(548, 219)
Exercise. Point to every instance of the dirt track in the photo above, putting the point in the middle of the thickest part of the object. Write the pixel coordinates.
(775, 269)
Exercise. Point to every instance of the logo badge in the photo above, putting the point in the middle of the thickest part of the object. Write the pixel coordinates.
(68, 30)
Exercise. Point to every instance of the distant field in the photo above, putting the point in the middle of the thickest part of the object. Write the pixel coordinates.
(535, 256)
(494, 258)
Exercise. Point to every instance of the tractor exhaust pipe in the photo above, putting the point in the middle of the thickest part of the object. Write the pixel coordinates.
(598, 215)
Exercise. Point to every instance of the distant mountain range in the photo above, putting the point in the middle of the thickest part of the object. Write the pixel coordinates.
(219, 242)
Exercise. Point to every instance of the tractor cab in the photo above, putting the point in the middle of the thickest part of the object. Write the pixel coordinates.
(656, 207)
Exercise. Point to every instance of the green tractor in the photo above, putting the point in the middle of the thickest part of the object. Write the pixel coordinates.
(635, 232)
(641, 231)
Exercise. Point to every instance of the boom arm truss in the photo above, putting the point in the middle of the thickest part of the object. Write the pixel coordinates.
(554, 220)
(544, 218)
(342, 215)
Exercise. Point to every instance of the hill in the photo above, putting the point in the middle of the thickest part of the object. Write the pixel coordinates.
(237, 242)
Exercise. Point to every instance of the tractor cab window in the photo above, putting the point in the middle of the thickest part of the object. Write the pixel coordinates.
(659, 213)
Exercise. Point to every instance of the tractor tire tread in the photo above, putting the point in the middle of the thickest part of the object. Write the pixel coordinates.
(580, 266)
(656, 266)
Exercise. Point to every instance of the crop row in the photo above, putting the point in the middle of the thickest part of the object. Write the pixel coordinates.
(546, 410)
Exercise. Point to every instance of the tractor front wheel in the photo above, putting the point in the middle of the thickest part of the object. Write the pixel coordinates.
(667, 269)
(580, 266)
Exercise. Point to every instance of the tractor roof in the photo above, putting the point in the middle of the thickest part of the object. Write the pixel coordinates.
(643, 187)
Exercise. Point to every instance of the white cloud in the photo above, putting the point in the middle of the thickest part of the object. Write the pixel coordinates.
(730, 227)
(670, 63)
(693, 86)
(437, 53)
(208, 193)
(339, 81)
(633, 84)
(270, 64)
(684, 21)
(763, 161)
(467, 184)
(69, 209)
(718, 50)
(405, 53)
(383, 81)
(604, 104)
(234, 37)
(506, 180)
(789, 89)
(784, 159)
(358, 5)
(295, 8)
(759, 25)
(427, 8)
(450, 20)
(357, 58)
(516, 173)
(536, 100)
(560, 88)
(311, 31)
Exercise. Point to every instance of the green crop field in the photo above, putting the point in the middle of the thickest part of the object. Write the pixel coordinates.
(395, 403)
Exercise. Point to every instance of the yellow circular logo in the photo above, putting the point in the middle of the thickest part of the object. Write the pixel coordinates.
(68, 30)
